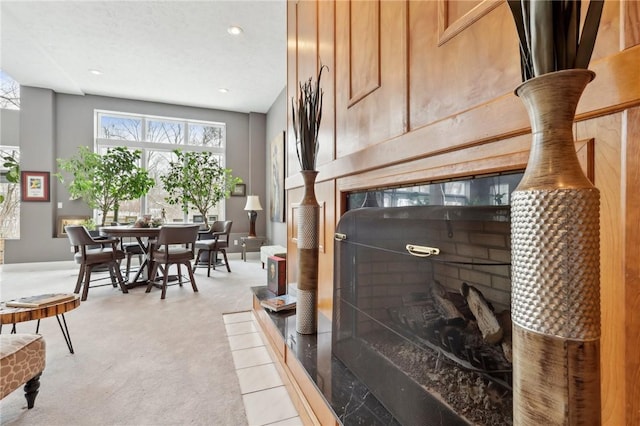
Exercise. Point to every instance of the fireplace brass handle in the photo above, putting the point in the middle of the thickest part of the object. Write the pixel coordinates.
(422, 251)
(339, 237)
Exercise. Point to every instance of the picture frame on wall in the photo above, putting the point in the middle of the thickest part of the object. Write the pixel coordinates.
(69, 220)
(35, 186)
(240, 190)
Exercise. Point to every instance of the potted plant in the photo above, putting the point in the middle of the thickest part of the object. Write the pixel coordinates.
(196, 179)
(555, 225)
(102, 181)
(307, 116)
(12, 175)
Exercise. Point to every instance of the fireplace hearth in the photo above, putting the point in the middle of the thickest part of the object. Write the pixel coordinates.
(421, 310)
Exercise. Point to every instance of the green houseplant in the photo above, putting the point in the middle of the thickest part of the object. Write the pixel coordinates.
(13, 173)
(196, 179)
(307, 116)
(555, 225)
(103, 180)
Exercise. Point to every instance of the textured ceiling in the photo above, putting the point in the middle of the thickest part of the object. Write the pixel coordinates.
(176, 52)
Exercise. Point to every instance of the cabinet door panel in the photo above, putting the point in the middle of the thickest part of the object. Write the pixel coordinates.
(371, 73)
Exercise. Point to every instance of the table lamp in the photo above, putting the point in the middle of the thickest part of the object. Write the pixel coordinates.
(253, 204)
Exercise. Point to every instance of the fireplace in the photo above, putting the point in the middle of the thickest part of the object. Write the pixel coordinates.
(422, 298)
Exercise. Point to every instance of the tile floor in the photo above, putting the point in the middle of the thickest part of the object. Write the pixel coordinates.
(265, 397)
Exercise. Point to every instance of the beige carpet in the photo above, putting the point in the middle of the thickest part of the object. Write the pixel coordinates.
(138, 360)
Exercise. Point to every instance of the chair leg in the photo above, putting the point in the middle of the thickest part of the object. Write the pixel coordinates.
(87, 280)
(209, 261)
(179, 275)
(31, 390)
(128, 270)
(152, 276)
(119, 277)
(79, 280)
(164, 281)
(112, 275)
(226, 261)
(191, 277)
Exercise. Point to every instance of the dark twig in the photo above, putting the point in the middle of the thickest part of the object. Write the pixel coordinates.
(306, 121)
(549, 34)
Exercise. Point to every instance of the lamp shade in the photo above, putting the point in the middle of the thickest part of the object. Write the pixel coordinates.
(253, 203)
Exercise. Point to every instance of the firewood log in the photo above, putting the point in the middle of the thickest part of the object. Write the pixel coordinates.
(504, 318)
(487, 322)
(444, 306)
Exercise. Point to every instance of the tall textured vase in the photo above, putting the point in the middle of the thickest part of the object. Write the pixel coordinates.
(555, 265)
(308, 229)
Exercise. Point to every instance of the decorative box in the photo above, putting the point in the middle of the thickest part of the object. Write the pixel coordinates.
(277, 275)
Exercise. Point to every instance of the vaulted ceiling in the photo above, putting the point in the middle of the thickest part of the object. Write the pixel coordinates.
(177, 52)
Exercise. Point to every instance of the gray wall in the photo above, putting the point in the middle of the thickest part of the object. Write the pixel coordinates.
(276, 124)
(9, 127)
(54, 126)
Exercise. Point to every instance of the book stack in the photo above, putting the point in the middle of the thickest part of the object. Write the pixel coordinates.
(279, 303)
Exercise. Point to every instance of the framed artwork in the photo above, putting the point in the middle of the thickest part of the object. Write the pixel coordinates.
(35, 186)
(240, 190)
(213, 218)
(197, 218)
(69, 220)
(276, 199)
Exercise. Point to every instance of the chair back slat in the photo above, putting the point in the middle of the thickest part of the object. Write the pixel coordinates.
(178, 234)
(217, 226)
(227, 229)
(78, 235)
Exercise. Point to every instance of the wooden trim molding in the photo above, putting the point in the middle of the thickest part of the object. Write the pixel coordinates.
(447, 30)
(586, 156)
(631, 201)
(502, 156)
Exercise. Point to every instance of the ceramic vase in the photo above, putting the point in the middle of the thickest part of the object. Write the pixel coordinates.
(308, 242)
(555, 237)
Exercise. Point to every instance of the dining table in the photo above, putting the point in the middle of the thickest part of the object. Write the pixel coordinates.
(144, 236)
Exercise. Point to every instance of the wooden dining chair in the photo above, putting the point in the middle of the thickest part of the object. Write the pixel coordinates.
(90, 253)
(175, 245)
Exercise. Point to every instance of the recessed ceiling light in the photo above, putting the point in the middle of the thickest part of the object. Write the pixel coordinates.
(235, 30)
(95, 72)
(223, 90)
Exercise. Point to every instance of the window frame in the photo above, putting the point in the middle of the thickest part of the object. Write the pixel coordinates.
(145, 146)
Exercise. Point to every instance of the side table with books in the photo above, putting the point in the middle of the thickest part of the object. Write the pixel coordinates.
(40, 306)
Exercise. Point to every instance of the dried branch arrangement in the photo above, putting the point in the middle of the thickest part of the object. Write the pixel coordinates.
(306, 121)
(549, 33)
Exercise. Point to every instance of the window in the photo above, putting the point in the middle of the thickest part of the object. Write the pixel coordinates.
(10, 207)
(9, 92)
(157, 137)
